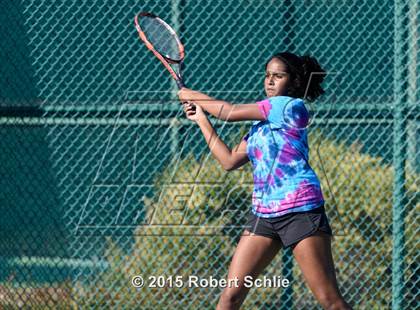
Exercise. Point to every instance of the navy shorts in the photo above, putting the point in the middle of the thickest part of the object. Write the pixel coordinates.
(290, 228)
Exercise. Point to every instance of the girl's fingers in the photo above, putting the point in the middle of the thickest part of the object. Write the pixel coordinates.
(189, 109)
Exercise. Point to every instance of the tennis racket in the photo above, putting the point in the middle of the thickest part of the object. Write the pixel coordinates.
(164, 43)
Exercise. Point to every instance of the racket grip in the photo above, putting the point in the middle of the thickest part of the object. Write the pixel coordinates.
(180, 84)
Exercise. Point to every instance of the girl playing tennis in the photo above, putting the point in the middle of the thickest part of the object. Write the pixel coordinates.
(287, 201)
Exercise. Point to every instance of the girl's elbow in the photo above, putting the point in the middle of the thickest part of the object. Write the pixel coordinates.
(228, 166)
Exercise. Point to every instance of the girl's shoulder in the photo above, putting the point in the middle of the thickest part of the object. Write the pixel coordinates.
(284, 111)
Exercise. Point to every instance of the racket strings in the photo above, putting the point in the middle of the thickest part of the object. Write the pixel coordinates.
(163, 39)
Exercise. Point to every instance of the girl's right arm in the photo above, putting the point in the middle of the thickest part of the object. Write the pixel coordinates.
(222, 109)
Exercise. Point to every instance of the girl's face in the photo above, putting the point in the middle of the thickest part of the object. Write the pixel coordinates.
(276, 78)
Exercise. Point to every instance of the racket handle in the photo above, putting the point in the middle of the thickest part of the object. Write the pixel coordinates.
(180, 84)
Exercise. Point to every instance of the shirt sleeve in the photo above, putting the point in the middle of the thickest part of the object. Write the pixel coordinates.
(283, 110)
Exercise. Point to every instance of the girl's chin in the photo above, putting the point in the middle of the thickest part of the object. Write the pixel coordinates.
(272, 94)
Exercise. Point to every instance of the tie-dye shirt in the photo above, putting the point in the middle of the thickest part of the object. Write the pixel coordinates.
(284, 182)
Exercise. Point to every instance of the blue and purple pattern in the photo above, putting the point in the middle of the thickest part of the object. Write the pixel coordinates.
(284, 182)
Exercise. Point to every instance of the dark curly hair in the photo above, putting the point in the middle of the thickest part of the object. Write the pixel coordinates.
(305, 73)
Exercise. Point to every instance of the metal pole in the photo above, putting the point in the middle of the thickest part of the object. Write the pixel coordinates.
(413, 51)
(175, 124)
(286, 300)
(399, 137)
(413, 87)
(176, 24)
(176, 7)
(289, 26)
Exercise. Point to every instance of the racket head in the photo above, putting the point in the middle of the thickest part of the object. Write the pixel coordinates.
(160, 37)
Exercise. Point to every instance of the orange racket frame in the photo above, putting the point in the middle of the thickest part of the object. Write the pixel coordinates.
(166, 61)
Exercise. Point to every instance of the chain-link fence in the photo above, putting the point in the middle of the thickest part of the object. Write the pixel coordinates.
(94, 145)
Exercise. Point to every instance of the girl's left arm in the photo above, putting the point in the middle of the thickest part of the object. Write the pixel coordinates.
(222, 109)
(228, 159)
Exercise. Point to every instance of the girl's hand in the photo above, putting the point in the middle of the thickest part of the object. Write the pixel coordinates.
(194, 112)
(186, 94)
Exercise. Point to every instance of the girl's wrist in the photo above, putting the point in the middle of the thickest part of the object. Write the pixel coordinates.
(202, 120)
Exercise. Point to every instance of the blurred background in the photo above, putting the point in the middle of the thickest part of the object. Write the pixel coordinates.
(104, 178)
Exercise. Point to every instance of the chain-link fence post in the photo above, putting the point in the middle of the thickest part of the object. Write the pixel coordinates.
(287, 292)
(399, 140)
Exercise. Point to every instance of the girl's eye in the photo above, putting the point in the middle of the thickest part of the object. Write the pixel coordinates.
(276, 76)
